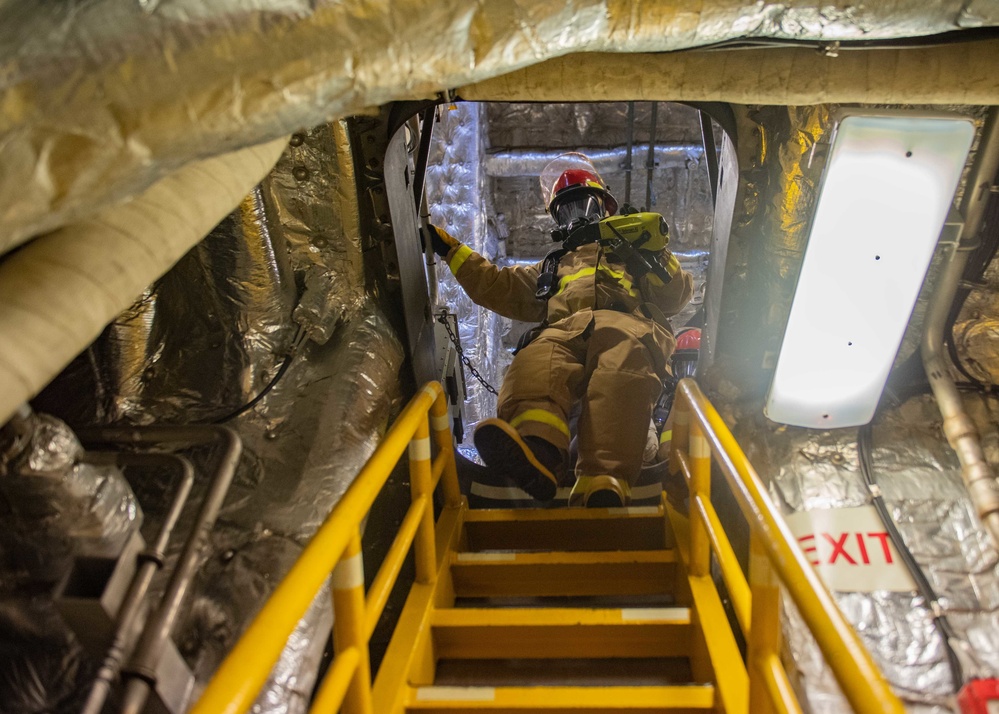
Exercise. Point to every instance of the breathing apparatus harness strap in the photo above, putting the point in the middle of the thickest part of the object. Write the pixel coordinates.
(548, 278)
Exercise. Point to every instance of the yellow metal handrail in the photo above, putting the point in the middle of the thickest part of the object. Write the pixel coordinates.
(335, 550)
(700, 435)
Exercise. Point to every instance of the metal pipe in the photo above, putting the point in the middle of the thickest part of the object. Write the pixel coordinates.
(420, 193)
(514, 163)
(142, 665)
(627, 158)
(423, 153)
(708, 139)
(151, 559)
(958, 426)
(651, 163)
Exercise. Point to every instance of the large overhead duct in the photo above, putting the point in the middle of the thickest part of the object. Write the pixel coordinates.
(57, 294)
(946, 74)
(101, 99)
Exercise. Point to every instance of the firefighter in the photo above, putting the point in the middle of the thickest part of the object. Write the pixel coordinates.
(604, 341)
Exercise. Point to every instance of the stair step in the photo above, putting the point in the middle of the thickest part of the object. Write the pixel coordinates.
(565, 672)
(562, 700)
(563, 573)
(569, 529)
(561, 633)
(588, 602)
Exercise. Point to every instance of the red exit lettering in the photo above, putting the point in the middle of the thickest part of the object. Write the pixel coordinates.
(847, 548)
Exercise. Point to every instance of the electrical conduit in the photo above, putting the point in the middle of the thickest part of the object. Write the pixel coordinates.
(957, 425)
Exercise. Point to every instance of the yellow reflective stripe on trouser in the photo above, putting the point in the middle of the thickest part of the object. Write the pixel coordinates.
(540, 415)
(617, 275)
(459, 258)
(667, 435)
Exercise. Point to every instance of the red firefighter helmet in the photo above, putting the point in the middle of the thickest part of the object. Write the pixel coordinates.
(572, 189)
(684, 360)
(689, 339)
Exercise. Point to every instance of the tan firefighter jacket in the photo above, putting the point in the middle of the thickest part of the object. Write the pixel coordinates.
(589, 278)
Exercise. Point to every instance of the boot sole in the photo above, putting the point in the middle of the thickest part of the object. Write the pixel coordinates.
(501, 447)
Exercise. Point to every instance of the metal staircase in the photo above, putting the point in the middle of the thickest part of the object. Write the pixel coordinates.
(528, 600)
(557, 610)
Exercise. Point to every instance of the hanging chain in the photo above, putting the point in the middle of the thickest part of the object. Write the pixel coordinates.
(442, 318)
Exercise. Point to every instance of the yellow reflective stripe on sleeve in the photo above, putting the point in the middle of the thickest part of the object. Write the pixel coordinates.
(540, 415)
(621, 278)
(617, 275)
(667, 435)
(575, 276)
(459, 258)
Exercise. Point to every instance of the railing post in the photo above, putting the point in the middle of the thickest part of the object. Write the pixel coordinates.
(421, 485)
(700, 489)
(348, 624)
(681, 430)
(440, 423)
(764, 628)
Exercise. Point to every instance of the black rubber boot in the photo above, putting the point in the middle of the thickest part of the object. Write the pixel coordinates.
(599, 492)
(529, 462)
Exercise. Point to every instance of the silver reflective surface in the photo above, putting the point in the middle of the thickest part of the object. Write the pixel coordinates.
(55, 509)
(460, 202)
(101, 98)
(920, 479)
(207, 337)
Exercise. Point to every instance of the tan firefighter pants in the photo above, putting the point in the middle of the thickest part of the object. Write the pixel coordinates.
(596, 358)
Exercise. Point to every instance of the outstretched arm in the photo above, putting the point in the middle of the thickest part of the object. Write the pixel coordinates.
(509, 292)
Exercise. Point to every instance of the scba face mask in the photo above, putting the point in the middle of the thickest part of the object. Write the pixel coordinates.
(584, 206)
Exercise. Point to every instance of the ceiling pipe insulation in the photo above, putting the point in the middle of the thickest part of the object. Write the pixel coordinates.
(59, 292)
(102, 98)
(945, 74)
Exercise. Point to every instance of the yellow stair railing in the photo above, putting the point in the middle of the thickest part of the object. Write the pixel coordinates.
(560, 552)
(336, 549)
(700, 436)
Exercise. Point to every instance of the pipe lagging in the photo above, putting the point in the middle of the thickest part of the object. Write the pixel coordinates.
(957, 425)
(59, 292)
(142, 665)
(151, 560)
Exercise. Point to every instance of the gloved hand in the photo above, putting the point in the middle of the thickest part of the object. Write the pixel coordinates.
(441, 241)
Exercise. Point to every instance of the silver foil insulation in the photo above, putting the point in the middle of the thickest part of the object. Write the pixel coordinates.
(920, 481)
(60, 507)
(816, 470)
(211, 336)
(207, 336)
(54, 509)
(460, 202)
(99, 99)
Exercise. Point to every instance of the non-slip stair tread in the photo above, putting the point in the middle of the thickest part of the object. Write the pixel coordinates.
(553, 634)
(561, 573)
(573, 529)
(565, 601)
(559, 557)
(524, 515)
(606, 672)
(695, 697)
(550, 617)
